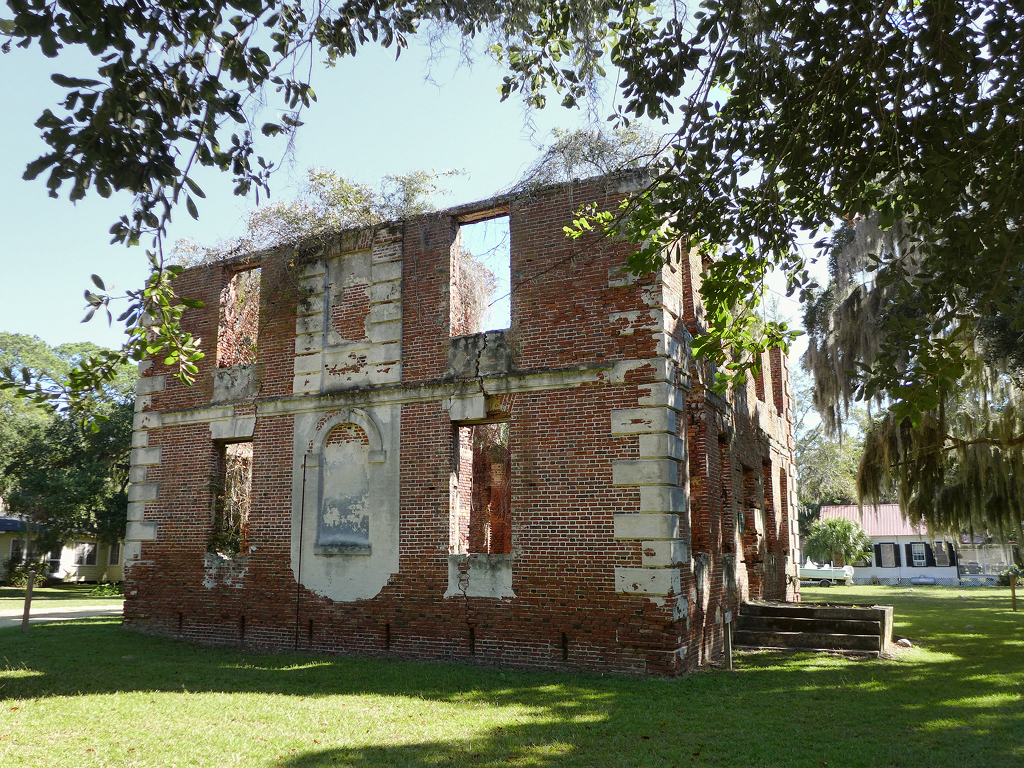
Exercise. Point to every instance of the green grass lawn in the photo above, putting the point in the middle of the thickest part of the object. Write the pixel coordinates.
(87, 693)
(54, 598)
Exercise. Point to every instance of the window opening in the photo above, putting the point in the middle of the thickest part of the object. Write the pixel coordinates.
(232, 500)
(238, 329)
(759, 384)
(18, 555)
(481, 277)
(940, 554)
(481, 498)
(114, 558)
(888, 558)
(919, 557)
(85, 553)
(53, 560)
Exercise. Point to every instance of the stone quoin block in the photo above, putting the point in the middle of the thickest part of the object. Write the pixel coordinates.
(635, 421)
(646, 527)
(149, 384)
(645, 472)
(648, 581)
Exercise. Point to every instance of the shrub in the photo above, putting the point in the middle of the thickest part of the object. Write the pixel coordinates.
(1004, 577)
(108, 589)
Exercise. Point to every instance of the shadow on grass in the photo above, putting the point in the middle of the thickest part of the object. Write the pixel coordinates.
(956, 701)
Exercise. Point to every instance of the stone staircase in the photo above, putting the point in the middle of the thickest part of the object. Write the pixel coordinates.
(859, 629)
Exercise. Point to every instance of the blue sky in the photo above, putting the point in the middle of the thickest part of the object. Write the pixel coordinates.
(374, 116)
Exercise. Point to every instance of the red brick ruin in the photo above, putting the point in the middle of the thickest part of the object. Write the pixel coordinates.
(567, 493)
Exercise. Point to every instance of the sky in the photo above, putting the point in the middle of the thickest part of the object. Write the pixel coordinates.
(374, 115)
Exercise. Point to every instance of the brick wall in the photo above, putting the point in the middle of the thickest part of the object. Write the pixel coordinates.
(627, 479)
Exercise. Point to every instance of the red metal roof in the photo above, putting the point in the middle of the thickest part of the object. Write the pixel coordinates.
(881, 520)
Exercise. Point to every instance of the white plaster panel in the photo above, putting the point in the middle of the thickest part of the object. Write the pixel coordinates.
(137, 474)
(140, 439)
(387, 271)
(346, 378)
(466, 408)
(309, 382)
(483, 576)
(236, 428)
(315, 267)
(645, 472)
(140, 531)
(149, 384)
(635, 421)
(664, 498)
(647, 527)
(352, 268)
(384, 353)
(382, 292)
(648, 581)
(384, 332)
(309, 324)
(310, 305)
(664, 553)
(312, 283)
(347, 577)
(148, 420)
(308, 343)
(307, 364)
(136, 510)
(386, 374)
(385, 313)
(662, 445)
(143, 491)
(347, 354)
(145, 456)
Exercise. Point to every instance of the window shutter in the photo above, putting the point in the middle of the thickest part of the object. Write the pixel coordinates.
(910, 554)
(878, 555)
(952, 554)
(896, 554)
(929, 556)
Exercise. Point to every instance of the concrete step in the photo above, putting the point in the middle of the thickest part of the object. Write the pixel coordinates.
(847, 627)
(812, 611)
(814, 624)
(807, 640)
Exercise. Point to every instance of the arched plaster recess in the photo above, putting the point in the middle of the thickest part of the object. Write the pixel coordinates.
(351, 483)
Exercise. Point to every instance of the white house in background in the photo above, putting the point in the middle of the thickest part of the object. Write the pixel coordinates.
(903, 553)
(83, 559)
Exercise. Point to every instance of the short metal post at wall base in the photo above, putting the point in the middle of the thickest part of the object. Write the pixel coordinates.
(28, 600)
(727, 636)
